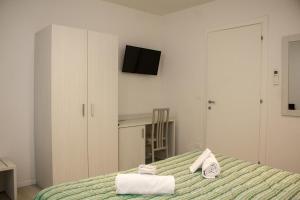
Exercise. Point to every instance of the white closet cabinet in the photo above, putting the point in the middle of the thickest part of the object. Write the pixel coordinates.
(131, 147)
(75, 104)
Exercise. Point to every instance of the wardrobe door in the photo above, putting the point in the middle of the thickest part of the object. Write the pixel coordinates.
(103, 103)
(69, 100)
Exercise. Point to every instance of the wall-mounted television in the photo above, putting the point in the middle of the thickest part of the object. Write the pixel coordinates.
(140, 60)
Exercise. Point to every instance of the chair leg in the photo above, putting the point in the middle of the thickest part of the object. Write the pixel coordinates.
(167, 151)
(167, 144)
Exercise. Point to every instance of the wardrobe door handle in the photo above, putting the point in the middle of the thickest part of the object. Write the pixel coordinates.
(143, 133)
(92, 110)
(211, 102)
(83, 110)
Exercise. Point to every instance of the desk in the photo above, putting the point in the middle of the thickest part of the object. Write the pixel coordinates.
(8, 178)
(133, 134)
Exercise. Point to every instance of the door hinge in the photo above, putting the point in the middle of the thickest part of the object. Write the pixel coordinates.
(262, 37)
(261, 101)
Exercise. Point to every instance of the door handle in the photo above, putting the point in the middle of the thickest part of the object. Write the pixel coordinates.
(83, 110)
(92, 110)
(211, 102)
(143, 133)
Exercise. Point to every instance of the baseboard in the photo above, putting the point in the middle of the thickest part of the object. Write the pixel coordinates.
(26, 183)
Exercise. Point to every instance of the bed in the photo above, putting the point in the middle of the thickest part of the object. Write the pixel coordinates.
(238, 180)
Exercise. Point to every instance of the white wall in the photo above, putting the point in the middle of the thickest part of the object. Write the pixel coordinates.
(19, 20)
(179, 85)
(184, 44)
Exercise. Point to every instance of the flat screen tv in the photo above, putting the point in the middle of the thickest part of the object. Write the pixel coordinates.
(140, 60)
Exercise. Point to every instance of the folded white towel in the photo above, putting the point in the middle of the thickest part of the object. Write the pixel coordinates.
(211, 167)
(144, 184)
(198, 163)
(147, 169)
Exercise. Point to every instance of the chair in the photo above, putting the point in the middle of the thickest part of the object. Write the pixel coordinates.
(159, 133)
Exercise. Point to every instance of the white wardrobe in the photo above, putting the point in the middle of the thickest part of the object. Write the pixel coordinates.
(76, 104)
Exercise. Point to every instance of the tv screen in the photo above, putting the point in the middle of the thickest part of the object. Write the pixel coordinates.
(140, 60)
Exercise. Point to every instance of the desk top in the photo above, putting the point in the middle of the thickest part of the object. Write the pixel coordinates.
(5, 165)
(138, 122)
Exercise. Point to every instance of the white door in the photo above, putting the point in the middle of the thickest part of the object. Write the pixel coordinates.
(102, 103)
(69, 100)
(131, 147)
(234, 83)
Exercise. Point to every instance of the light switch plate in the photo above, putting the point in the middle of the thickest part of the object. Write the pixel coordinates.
(276, 79)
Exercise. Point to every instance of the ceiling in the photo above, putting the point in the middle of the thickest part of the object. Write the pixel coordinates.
(159, 7)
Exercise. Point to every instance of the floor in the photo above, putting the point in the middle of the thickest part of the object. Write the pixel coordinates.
(24, 193)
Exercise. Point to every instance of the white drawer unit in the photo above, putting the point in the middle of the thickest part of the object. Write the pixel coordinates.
(131, 147)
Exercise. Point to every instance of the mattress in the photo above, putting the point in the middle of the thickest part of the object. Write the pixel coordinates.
(238, 180)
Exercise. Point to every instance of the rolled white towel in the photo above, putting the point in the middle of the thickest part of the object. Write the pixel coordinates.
(144, 184)
(211, 167)
(147, 169)
(198, 163)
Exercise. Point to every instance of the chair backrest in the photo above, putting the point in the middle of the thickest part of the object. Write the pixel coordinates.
(160, 121)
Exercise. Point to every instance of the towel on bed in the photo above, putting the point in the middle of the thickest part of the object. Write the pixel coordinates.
(198, 163)
(210, 167)
(144, 184)
(147, 169)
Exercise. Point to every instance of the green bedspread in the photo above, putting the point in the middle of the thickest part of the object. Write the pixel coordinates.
(238, 180)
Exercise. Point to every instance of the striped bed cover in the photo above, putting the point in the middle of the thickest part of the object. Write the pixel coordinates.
(238, 180)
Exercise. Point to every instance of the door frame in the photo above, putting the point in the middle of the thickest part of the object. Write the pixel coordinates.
(263, 153)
